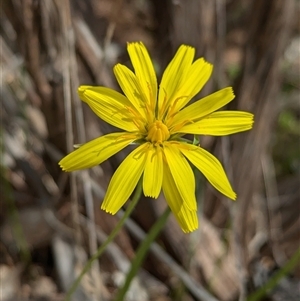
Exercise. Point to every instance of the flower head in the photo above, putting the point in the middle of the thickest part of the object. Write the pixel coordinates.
(156, 120)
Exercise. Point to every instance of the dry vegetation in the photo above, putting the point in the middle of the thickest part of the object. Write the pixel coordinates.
(51, 221)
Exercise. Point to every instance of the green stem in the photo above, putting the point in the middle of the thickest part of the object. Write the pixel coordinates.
(109, 239)
(288, 267)
(141, 253)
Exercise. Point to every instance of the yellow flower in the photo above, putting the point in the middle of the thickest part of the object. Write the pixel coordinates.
(156, 120)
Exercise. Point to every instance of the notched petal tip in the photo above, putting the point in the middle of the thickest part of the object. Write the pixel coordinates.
(187, 219)
(63, 167)
(232, 92)
(233, 196)
(62, 164)
(116, 67)
(136, 45)
(185, 47)
(189, 230)
(227, 93)
(152, 195)
(81, 92)
(251, 117)
(107, 210)
(82, 88)
(207, 64)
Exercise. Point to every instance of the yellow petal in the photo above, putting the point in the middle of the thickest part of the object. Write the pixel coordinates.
(96, 151)
(186, 218)
(203, 107)
(131, 87)
(153, 173)
(210, 167)
(111, 106)
(125, 180)
(196, 77)
(182, 174)
(144, 70)
(173, 77)
(220, 124)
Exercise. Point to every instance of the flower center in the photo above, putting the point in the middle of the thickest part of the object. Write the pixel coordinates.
(158, 132)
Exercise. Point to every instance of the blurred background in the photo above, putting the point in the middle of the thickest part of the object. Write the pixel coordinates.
(51, 221)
